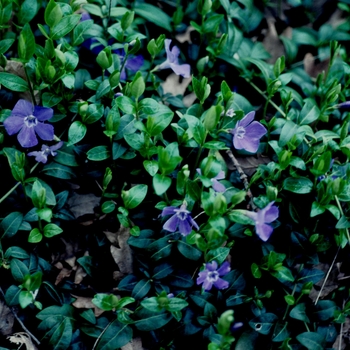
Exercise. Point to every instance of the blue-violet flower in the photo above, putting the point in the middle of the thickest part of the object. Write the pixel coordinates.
(28, 121)
(181, 220)
(41, 156)
(262, 218)
(172, 61)
(211, 275)
(217, 186)
(247, 133)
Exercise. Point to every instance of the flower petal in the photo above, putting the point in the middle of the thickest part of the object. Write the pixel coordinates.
(184, 227)
(26, 137)
(56, 146)
(168, 211)
(22, 109)
(171, 224)
(181, 69)
(39, 156)
(212, 266)
(134, 63)
(255, 131)
(44, 131)
(248, 118)
(221, 284)
(220, 176)
(271, 212)
(224, 269)
(263, 231)
(13, 124)
(249, 145)
(207, 284)
(43, 113)
(202, 276)
(217, 186)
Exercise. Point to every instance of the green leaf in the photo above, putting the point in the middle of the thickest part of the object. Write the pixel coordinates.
(108, 207)
(35, 236)
(64, 26)
(58, 170)
(133, 197)
(151, 166)
(154, 14)
(157, 123)
(98, 153)
(53, 13)
(263, 323)
(299, 185)
(26, 43)
(151, 321)
(80, 30)
(240, 216)
(19, 270)
(103, 89)
(187, 250)
(5, 44)
(325, 309)
(13, 82)
(11, 223)
(298, 312)
(51, 230)
(93, 114)
(12, 295)
(105, 302)
(25, 298)
(27, 11)
(16, 252)
(141, 289)
(115, 336)
(49, 99)
(311, 340)
(76, 132)
(161, 184)
(309, 113)
(219, 255)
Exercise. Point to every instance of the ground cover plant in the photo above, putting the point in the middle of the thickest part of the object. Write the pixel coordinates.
(174, 173)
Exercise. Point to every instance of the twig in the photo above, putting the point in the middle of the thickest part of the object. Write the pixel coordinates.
(243, 177)
(327, 275)
(99, 337)
(20, 322)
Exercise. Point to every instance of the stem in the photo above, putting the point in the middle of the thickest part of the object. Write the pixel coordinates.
(342, 213)
(326, 278)
(288, 306)
(243, 178)
(149, 72)
(267, 98)
(307, 327)
(30, 86)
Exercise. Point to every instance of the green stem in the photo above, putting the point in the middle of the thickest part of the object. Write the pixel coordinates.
(149, 72)
(342, 213)
(30, 86)
(267, 98)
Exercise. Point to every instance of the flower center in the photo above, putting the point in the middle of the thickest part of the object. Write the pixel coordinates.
(30, 121)
(213, 276)
(240, 132)
(182, 213)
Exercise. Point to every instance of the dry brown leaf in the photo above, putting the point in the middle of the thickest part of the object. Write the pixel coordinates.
(331, 283)
(135, 344)
(79, 275)
(86, 303)
(272, 42)
(117, 275)
(120, 250)
(22, 338)
(345, 337)
(81, 204)
(249, 164)
(6, 319)
(312, 68)
(64, 273)
(71, 261)
(186, 36)
(173, 86)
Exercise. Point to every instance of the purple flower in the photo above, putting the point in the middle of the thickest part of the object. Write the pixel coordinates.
(262, 218)
(133, 63)
(41, 156)
(28, 121)
(172, 61)
(211, 275)
(180, 220)
(217, 186)
(247, 134)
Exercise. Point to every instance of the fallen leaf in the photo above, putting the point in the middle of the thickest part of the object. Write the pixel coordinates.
(344, 337)
(86, 303)
(22, 338)
(312, 68)
(186, 36)
(81, 204)
(120, 250)
(249, 164)
(272, 42)
(79, 275)
(6, 319)
(135, 344)
(64, 273)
